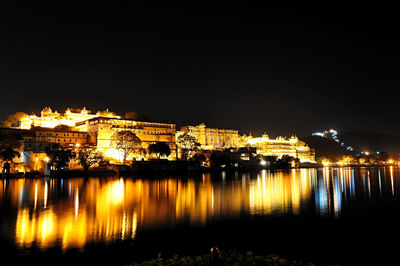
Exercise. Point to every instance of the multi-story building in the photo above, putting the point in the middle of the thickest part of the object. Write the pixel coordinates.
(75, 128)
(214, 138)
(37, 141)
(282, 146)
(41, 138)
(50, 119)
(101, 130)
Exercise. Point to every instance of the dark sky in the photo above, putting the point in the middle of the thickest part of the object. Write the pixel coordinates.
(240, 66)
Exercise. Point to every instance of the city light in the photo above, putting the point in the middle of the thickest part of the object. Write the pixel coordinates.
(326, 163)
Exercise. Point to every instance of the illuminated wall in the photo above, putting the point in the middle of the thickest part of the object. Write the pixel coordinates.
(50, 119)
(214, 138)
(101, 130)
(283, 146)
(39, 139)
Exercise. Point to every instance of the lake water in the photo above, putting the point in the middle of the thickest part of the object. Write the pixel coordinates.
(335, 215)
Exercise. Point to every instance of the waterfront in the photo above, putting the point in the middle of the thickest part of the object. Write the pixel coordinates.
(323, 214)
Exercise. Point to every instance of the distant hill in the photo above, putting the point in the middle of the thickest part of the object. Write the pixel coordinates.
(370, 141)
(360, 141)
(325, 147)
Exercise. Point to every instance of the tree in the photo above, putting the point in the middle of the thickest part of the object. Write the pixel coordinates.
(285, 162)
(63, 128)
(8, 154)
(160, 149)
(59, 158)
(87, 156)
(220, 159)
(136, 116)
(14, 120)
(200, 159)
(383, 157)
(188, 144)
(5, 124)
(10, 146)
(106, 113)
(127, 143)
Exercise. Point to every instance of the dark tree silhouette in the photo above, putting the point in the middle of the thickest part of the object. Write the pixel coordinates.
(59, 157)
(10, 147)
(136, 116)
(219, 158)
(8, 154)
(199, 158)
(160, 149)
(88, 156)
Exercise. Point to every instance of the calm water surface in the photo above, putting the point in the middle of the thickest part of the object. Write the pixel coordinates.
(315, 214)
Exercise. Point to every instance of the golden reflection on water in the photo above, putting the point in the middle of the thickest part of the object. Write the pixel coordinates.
(280, 192)
(72, 212)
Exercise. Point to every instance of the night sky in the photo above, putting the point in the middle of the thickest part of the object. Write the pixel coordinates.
(248, 67)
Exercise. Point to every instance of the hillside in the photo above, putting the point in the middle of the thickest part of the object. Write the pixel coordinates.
(372, 142)
(325, 147)
(360, 141)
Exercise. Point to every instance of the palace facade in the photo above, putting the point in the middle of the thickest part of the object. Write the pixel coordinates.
(50, 119)
(280, 146)
(214, 138)
(79, 127)
(100, 132)
(219, 139)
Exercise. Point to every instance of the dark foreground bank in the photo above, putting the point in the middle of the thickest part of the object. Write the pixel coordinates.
(227, 257)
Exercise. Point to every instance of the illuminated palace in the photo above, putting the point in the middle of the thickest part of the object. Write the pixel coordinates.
(76, 127)
(282, 146)
(79, 127)
(217, 138)
(50, 119)
(214, 138)
(100, 132)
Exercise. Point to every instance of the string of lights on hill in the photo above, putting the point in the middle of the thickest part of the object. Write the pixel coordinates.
(333, 134)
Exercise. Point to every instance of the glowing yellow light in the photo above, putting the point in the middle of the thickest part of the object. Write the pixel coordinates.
(326, 163)
(113, 154)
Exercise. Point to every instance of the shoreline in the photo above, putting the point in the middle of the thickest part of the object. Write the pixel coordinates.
(125, 170)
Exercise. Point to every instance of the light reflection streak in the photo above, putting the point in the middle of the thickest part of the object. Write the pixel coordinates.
(391, 179)
(380, 182)
(76, 205)
(45, 195)
(134, 225)
(36, 195)
(105, 209)
(369, 185)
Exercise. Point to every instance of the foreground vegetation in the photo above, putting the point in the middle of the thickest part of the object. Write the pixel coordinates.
(232, 257)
